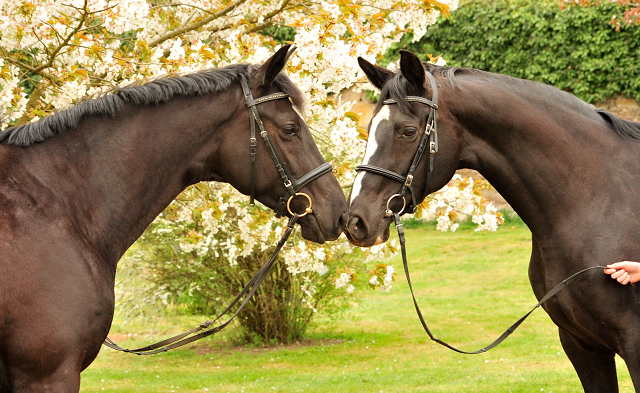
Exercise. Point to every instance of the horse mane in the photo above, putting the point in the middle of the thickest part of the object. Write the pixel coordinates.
(153, 92)
(397, 87)
(625, 128)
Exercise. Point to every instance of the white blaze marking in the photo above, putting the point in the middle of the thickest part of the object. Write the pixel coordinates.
(372, 146)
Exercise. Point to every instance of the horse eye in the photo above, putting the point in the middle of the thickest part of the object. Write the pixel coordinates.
(409, 132)
(289, 129)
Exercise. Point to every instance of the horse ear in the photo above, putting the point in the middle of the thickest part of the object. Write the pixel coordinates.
(272, 67)
(376, 74)
(411, 68)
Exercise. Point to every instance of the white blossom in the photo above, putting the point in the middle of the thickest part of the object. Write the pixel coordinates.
(120, 51)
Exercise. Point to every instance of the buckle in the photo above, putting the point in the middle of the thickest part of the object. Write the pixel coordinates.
(281, 207)
(432, 148)
(409, 180)
(253, 142)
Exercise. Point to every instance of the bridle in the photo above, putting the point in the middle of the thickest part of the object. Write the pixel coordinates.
(284, 205)
(291, 185)
(429, 139)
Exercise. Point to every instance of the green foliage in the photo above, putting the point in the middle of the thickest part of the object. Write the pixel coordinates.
(510, 217)
(282, 34)
(159, 272)
(576, 49)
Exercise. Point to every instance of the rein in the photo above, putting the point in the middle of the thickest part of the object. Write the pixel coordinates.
(204, 328)
(511, 329)
(430, 138)
(283, 206)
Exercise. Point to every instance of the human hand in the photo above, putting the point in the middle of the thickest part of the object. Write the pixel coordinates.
(624, 272)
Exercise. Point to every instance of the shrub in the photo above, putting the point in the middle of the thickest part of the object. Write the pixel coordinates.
(201, 251)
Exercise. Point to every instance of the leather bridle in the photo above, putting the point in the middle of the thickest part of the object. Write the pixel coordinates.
(284, 205)
(292, 186)
(429, 139)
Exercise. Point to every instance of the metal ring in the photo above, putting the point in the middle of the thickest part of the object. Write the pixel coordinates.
(307, 210)
(404, 203)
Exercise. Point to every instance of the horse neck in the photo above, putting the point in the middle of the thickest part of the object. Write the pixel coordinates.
(548, 158)
(111, 177)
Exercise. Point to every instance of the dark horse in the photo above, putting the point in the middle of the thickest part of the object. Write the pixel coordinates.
(570, 171)
(79, 187)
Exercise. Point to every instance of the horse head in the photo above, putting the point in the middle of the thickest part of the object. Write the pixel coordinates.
(269, 138)
(408, 156)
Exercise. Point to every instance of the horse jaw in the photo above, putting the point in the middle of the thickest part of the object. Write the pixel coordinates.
(310, 229)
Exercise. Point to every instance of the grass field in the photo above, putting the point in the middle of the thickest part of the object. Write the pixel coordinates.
(470, 285)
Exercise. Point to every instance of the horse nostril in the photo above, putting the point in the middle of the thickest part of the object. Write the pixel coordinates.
(356, 226)
(342, 221)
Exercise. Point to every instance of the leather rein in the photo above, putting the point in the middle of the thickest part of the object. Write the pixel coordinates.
(205, 329)
(430, 139)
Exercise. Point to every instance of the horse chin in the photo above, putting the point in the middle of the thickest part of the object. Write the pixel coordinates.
(311, 229)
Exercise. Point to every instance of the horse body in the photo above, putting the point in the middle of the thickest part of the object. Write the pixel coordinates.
(72, 204)
(562, 167)
(576, 184)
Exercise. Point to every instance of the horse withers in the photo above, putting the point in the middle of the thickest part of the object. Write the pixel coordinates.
(572, 173)
(77, 188)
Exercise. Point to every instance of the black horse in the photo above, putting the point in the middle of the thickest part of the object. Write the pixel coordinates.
(77, 188)
(570, 171)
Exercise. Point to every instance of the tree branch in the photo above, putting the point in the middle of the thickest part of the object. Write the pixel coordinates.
(35, 70)
(34, 98)
(259, 27)
(64, 42)
(196, 25)
(183, 5)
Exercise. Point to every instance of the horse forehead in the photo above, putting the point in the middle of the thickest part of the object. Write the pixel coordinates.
(377, 122)
(282, 109)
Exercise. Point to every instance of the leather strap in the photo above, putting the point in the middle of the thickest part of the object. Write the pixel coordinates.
(429, 140)
(311, 176)
(422, 100)
(290, 184)
(254, 118)
(381, 171)
(204, 328)
(510, 330)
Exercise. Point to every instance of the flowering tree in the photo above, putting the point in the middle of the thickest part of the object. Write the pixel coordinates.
(53, 53)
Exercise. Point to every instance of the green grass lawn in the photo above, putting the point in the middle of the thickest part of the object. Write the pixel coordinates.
(470, 285)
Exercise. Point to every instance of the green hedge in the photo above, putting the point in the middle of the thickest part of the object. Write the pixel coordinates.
(575, 49)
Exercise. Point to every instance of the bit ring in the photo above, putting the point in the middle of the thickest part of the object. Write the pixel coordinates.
(389, 212)
(307, 210)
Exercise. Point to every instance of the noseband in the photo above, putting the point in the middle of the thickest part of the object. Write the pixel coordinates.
(429, 138)
(290, 184)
